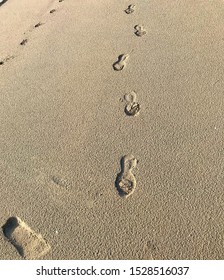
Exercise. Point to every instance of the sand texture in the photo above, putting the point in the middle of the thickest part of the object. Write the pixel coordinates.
(111, 129)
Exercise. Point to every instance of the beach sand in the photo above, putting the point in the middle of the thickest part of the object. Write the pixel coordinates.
(80, 172)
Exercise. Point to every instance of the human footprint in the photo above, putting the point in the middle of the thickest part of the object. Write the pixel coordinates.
(126, 182)
(139, 30)
(130, 9)
(132, 108)
(28, 243)
(121, 62)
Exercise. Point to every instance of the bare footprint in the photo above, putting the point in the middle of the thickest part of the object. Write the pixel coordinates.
(139, 30)
(125, 181)
(28, 244)
(132, 108)
(121, 62)
(130, 9)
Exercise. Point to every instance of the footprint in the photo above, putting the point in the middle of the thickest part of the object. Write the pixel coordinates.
(120, 63)
(132, 108)
(2, 2)
(7, 59)
(38, 24)
(148, 250)
(125, 181)
(28, 244)
(61, 182)
(130, 9)
(139, 30)
(23, 42)
(61, 0)
(52, 11)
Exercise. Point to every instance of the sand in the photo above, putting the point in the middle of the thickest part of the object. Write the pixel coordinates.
(92, 170)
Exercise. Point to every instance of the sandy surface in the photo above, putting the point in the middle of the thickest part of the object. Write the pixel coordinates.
(64, 131)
